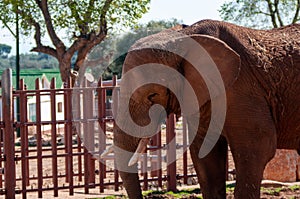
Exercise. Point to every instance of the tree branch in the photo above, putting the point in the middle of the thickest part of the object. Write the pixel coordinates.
(60, 47)
(295, 19)
(81, 23)
(45, 49)
(278, 13)
(103, 22)
(261, 12)
(88, 14)
(272, 13)
(8, 27)
(37, 36)
(94, 40)
(39, 46)
(79, 43)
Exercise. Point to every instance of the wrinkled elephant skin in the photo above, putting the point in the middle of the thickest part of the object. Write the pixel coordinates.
(260, 72)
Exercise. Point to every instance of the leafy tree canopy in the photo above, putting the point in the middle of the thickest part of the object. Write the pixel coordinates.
(4, 50)
(113, 50)
(261, 13)
(72, 26)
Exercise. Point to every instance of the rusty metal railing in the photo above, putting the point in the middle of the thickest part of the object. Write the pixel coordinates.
(68, 164)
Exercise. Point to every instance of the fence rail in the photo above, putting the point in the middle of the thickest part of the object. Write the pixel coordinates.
(44, 150)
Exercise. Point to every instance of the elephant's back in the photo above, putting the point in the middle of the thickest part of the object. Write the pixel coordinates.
(265, 48)
(277, 47)
(270, 69)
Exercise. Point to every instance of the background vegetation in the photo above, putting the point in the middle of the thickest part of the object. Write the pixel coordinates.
(261, 13)
(73, 27)
(90, 25)
(112, 48)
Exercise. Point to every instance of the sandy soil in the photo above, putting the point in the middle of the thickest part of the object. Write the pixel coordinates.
(94, 193)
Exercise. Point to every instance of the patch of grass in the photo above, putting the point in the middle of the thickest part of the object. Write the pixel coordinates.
(294, 187)
(230, 187)
(152, 192)
(111, 197)
(188, 192)
(276, 191)
(272, 191)
(179, 194)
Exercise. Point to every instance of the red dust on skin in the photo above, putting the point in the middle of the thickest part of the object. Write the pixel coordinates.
(259, 85)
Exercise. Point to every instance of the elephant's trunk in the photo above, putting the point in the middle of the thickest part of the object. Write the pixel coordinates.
(130, 179)
(124, 147)
(132, 185)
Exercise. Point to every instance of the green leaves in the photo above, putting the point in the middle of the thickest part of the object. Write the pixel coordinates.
(261, 14)
(115, 48)
(4, 50)
(71, 16)
(80, 24)
(125, 13)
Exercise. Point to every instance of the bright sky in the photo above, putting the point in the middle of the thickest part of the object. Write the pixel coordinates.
(189, 11)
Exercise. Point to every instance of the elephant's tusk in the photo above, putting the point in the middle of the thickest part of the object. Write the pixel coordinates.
(107, 151)
(138, 152)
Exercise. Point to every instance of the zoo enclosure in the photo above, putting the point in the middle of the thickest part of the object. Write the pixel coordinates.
(50, 164)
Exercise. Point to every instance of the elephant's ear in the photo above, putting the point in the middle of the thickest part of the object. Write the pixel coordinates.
(210, 66)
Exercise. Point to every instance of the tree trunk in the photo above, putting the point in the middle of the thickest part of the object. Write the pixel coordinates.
(65, 70)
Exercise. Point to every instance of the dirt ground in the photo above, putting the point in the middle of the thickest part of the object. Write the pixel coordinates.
(272, 190)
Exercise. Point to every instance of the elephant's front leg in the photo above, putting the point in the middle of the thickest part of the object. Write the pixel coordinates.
(211, 170)
(124, 147)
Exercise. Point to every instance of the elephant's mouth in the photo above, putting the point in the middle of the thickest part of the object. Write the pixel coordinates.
(172, 104)
(142, 145)
(140, 113)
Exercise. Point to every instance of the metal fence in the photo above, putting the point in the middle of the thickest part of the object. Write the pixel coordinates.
(46, 152)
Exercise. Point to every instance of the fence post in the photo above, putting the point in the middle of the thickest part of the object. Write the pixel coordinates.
(68, 135)
(185, 148)
(156, 166)
(88, 139)
(9, 137)
(54, 136)
(171, 153)
(39, 139)
(115, 99)
(24, 139)
(102, 138)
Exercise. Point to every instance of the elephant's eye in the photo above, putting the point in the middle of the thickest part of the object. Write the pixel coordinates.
(151, 96)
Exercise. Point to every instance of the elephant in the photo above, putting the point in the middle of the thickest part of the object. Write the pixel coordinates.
(259, 98)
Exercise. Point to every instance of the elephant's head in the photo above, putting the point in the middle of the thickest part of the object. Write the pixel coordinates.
(162, 74)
